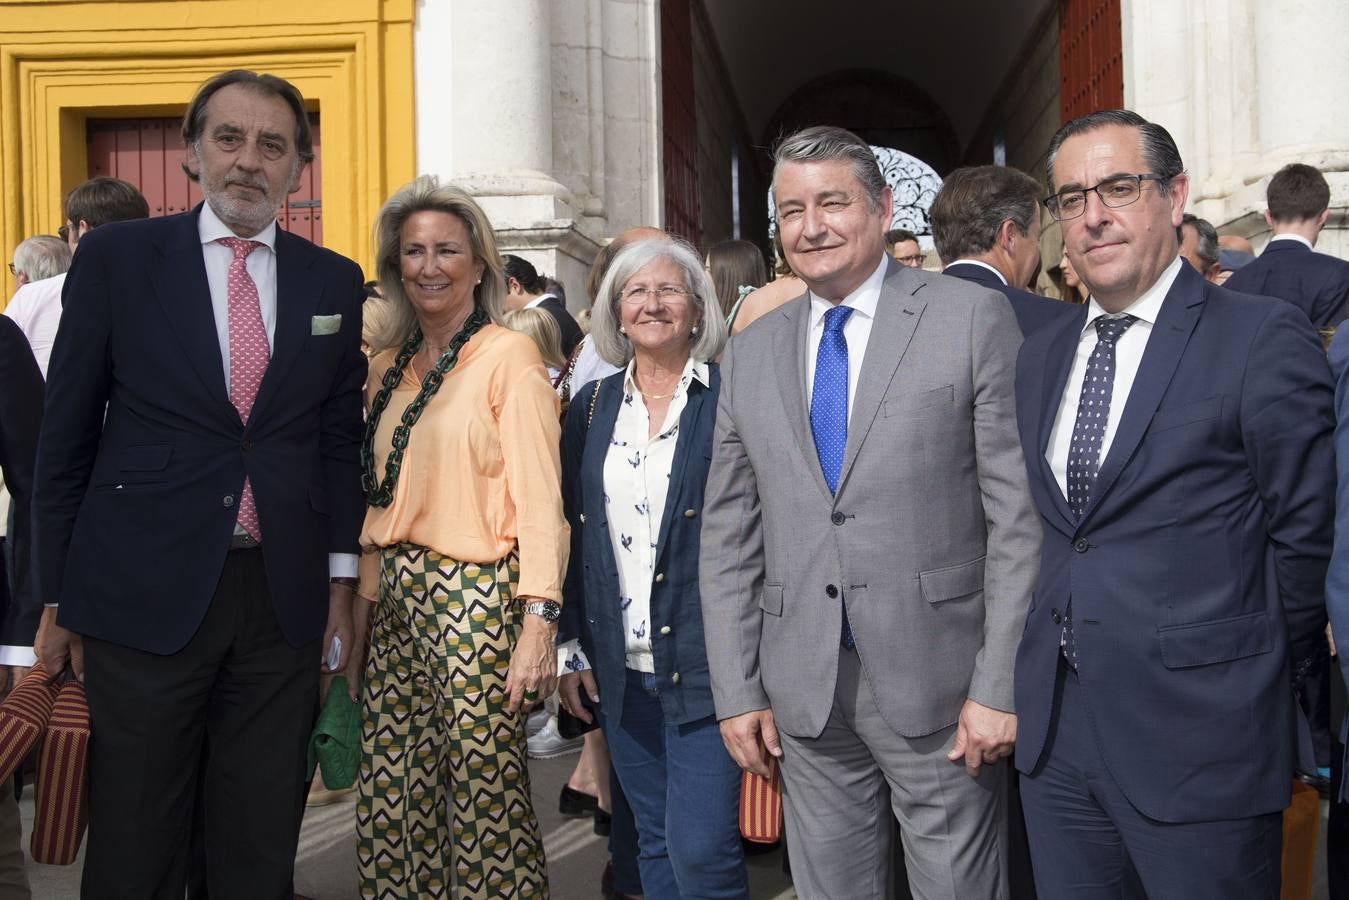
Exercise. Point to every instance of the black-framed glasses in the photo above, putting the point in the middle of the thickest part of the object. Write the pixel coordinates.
(13, 271)
(1121, 190)
(64, 233)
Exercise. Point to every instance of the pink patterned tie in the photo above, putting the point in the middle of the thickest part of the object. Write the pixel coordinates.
(249, 355)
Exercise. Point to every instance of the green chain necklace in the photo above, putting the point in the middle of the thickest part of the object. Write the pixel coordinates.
(381, 494)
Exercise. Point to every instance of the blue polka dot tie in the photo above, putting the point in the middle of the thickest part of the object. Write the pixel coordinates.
(829, 410)
(1084, 451)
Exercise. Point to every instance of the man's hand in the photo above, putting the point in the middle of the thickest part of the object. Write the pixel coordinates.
(569, 688)
(983, 735)
(339, 626)
(533, 668)
(55, 646)
(361, 610)
(751, 738)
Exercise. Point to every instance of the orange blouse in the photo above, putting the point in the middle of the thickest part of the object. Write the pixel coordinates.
(481, 473)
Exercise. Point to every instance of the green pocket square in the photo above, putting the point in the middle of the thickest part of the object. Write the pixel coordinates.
(325, 324)
(336, 742)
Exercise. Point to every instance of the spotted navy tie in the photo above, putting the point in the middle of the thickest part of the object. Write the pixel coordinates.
(829, 411)
(249, 355)
(1084, 451)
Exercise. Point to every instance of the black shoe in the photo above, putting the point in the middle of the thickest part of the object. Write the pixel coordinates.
(603, 823)
(607, 885)
(574, 804)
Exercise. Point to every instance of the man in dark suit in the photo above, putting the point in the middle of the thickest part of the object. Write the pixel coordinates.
(526, 288)
(986, 225)
(1178, 441)
(1289, 268)
(199, 537)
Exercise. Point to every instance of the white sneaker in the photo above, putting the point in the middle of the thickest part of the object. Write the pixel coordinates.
(537, 721)
(547, 743)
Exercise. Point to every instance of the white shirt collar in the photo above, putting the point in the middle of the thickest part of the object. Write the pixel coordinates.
(1147, 306)
(978, 262)
(1293, 237)
(694, 370)
(537, 300)
(862, 300)
(210, 228)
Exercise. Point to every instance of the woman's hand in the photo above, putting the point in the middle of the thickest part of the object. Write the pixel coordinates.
(533, 671)
(569, 690)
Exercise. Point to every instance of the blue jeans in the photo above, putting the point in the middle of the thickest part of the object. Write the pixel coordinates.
(684, 790)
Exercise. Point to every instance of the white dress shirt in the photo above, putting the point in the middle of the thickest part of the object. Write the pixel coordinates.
(590, 366)
(262, 268)
(1291, 237)
(36, 309)
(977, 262)
(636, 480)
(856, 331)
(1128, 354)
(537, 300)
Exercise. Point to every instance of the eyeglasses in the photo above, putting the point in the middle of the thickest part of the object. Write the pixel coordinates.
(13, 271)
(64, 233)
(915, 259)
(1114, 193)
(667, 292)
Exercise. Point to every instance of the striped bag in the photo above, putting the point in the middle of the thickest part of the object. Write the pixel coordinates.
(23, 718)
(761, 805)
(60, 807)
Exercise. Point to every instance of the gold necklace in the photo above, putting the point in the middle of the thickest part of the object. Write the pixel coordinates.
(657, 396)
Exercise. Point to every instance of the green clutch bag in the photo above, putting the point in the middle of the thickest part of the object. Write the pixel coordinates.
(336, 742)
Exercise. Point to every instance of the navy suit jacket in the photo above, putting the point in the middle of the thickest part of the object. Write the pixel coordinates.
(20, 420)
(134, 509)
(1033, 312)
(1337, 580)
(591, 611)
(571, 332)
(1316, 283)
(1199, 560)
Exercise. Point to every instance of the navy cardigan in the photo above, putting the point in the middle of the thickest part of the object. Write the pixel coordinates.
(590, 609)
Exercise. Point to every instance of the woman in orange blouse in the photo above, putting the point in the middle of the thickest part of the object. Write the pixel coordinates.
(464, 540)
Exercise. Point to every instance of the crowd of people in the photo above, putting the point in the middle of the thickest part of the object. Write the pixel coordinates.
(1016, 595)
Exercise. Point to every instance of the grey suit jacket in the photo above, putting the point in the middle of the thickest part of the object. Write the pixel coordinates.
(932, 538)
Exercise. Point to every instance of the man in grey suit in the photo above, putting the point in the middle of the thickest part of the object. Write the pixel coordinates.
(869, 545)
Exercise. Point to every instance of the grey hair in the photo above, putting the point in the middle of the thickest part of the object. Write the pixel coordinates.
(1158, 148)
(42, 256)
(612, 344)
(427, 194)
(826, 143)
(1206, 248)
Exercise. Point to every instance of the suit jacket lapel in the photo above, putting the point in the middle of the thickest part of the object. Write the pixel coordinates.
(184, 294)
(897, 313)
(297, 298)
(791, 378)
(1058, 363)
(1166, 344)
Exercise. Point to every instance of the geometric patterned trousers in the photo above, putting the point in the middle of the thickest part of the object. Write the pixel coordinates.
(444, 808)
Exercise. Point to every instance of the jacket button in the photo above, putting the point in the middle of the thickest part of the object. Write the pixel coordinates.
(1056, 616)
(838, 518)
(665, 629)
(583, 518)
(247, 445)
(689, 514)
(227, 501)
(674, 679)
(660, 576)
(1081, 545)
(831, 591)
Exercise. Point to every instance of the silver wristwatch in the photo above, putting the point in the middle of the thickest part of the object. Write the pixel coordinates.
(548, 610)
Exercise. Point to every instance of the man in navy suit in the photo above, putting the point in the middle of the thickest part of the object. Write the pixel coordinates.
(1178, 441)
(198, 504)
(1289, 268)
(986, 225)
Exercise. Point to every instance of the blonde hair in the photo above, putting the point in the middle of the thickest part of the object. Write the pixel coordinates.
(427, 194)
(540, 326)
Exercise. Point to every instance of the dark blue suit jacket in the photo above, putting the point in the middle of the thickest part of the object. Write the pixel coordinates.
(1316, 283)
(1200, 558)
(1033, 312)
(134, 509)
(1337, 580)
(20, 420)
(591, 610)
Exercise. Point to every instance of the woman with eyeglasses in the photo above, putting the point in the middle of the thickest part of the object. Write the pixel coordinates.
(635, 454)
